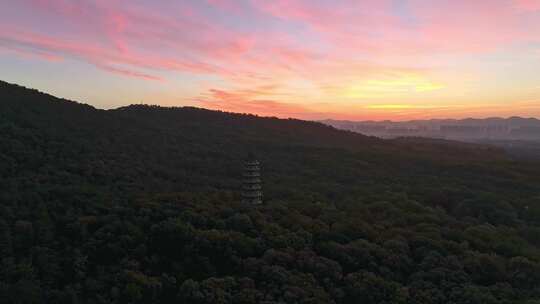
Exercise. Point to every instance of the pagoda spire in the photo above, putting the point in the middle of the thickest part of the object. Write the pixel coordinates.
(251, 185)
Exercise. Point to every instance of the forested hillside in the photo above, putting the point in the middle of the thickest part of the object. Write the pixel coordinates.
(141, 205)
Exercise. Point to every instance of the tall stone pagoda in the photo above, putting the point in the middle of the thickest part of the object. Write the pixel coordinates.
(251, 187)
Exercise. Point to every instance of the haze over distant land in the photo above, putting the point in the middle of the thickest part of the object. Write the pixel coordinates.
(513, 128)
(518, 136)
(308, 59)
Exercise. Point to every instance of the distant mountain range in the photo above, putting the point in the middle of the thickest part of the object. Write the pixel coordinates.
(513, 128)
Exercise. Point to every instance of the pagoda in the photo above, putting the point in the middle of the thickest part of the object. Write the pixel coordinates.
(251, 185)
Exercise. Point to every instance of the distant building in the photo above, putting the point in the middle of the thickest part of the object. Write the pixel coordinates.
(251, 186)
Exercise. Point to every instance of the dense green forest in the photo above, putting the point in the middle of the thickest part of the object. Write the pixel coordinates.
(141, 205)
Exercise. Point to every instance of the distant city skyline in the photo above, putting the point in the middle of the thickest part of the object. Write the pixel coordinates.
(509, 129)
(353, 60)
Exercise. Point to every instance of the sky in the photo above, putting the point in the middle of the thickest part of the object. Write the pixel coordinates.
(307, 59)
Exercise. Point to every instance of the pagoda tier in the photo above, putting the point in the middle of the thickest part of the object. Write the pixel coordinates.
(251, 184)
(251, 173)
(253, 194)
(251, 187)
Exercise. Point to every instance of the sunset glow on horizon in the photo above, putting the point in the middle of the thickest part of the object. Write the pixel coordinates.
(318, 59)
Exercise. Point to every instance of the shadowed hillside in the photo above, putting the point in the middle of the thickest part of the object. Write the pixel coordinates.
(141, 204)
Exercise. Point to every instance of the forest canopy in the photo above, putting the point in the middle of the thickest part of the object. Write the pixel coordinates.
(142, 204)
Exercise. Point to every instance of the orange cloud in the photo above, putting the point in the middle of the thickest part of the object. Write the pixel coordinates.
(247, 102)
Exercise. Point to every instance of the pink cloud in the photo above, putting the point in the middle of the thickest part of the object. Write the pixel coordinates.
(135, 34)
(373, 27)
(101, 56)
(227, 5)
(469, 26)
(527, 5)
(349, 24)
(152, 40)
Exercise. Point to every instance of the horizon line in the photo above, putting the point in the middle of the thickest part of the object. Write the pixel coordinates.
(267, 116)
